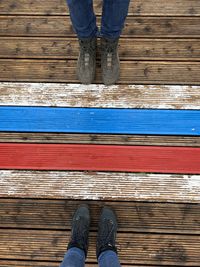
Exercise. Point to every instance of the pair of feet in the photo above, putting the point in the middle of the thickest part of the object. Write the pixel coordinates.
(107, 230)
(110, 65)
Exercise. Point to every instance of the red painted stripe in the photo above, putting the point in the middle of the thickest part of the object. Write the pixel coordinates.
(100, 158)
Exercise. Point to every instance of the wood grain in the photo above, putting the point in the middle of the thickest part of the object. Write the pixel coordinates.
(100, 96)
(137, 7)
(100, 186)
(186, 141)
(132, 216)
(129, 48)
(133, 248)
(137, 72)
(56, 26)
(13, 263)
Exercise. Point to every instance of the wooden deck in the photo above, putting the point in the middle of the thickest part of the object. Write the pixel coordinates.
(158, 214)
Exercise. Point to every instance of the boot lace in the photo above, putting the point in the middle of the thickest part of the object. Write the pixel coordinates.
(87, 50)
(107, 235)
(109, 49)
(80, 232)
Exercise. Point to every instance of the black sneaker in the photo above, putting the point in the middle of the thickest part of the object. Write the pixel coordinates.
(80, 229)
(110, 64)
(107, 232)
(86, 65)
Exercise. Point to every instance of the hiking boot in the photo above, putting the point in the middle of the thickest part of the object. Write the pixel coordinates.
(107, 232)
(110, 64)
(80, 229)
(86, 65)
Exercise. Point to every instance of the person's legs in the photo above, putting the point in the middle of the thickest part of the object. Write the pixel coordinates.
(108, 258)
(78, 245)
(113, 17)
(74, 257)
(112, 23)
(106, 250)
(84, 23)
(83, 18)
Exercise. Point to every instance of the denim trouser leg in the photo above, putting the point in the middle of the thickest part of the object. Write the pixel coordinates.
(74, 257)
(108, 258)
(113, 17)
(83, 17)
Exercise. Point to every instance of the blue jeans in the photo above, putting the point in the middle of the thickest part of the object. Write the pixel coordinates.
(84, 19)
(75, 257)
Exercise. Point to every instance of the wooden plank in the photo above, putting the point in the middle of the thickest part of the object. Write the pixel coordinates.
(137, 7)
(100, 186)
(12, 263)
(137, 72)
(132, 216)
(60, 26)
(9, 263)
(134, 248)
(100, 158)
(187, 141)
(97, 120)
(100, 96)
(67, 48)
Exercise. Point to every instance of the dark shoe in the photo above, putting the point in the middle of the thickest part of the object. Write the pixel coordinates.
(107, 232)
(86, 65)
(110, 64)
(80, 229)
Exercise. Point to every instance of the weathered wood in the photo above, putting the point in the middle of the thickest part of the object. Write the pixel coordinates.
(100, 186)
(137, 72)
(134, 248)
(132, 216)
(56, 26)
(67, 48)
(137, 7)
(12, 263)
(116, 96)
(186, 141)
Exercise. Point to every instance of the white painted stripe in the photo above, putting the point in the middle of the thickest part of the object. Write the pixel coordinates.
(100, 186)
(115, 96)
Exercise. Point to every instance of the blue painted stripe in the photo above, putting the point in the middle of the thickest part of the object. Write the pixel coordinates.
(96, 120)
